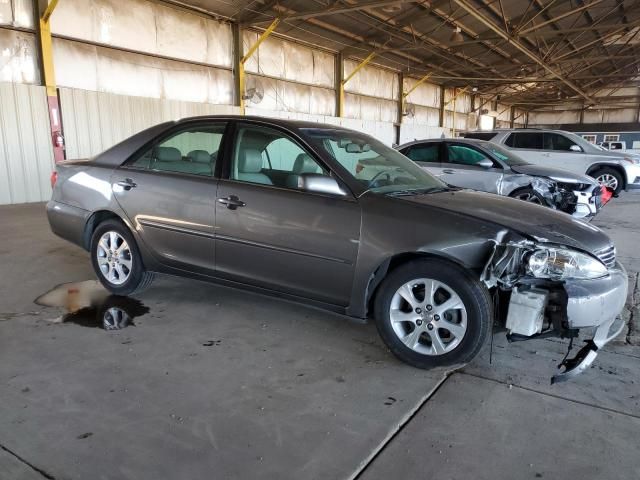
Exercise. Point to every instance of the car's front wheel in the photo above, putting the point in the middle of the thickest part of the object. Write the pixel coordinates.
(610, 178)
(116, 259)
(432, 312)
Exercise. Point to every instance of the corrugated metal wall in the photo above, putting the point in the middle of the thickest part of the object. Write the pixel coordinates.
(26, 155)
(94, 121)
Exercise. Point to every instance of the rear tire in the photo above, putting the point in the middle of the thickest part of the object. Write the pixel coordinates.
(116, 259)
(610, 178)
(446, 319)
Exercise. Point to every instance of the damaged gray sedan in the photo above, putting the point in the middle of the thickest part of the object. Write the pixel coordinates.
(285, 208)
(488, 167)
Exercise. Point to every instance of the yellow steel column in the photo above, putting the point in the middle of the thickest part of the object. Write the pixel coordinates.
(349, 77)
(404, 95)
(48, 76)
(243, 60)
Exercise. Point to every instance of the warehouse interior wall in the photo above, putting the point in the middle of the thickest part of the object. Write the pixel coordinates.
(115, 78)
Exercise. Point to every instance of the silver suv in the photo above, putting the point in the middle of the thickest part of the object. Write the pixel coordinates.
(557, 148)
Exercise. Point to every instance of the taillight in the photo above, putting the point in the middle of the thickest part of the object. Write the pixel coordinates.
(54, 178)
(607, 193)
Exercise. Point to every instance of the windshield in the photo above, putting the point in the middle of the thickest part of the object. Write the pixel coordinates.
(508, 157)
(380, 169)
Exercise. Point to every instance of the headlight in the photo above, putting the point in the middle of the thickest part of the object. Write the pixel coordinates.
(561, 264)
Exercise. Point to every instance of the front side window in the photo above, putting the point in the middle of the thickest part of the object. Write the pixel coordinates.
(464, 155)
(269, 157)
(555, 141)
(527, 140)
(193, 151)
(378, 168)
(426, 152)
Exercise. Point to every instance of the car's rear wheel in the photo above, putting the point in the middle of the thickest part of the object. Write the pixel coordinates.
(527, 194)
(116, 259)
(432, 312)
(610, 178)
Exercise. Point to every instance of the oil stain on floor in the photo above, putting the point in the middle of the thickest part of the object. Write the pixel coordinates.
(89, 304)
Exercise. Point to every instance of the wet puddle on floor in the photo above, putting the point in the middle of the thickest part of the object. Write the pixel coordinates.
(89, 304)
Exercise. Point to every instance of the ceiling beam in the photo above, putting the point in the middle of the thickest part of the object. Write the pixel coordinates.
(489, 24)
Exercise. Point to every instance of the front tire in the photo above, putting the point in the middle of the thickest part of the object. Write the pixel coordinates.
(432, 312)
(116, 259)
(610, 178)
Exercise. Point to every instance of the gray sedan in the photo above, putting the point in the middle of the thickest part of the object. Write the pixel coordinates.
(282, 207)
(488, 167)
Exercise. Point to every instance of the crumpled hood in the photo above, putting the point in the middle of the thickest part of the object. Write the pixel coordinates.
(557, 174)
(540, 223)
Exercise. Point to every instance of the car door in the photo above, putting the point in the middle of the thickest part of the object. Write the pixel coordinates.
(529, 146)
(428, 155)
(461, 168)
(564, 153)
(271, 234)
(168, 193)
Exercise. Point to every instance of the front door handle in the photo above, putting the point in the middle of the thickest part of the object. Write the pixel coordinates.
(232, 202)
(127, 184)
(448, 170)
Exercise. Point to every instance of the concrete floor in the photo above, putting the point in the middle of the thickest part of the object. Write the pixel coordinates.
(218, 383)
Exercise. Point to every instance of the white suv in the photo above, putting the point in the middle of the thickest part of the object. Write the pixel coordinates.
(560, 149)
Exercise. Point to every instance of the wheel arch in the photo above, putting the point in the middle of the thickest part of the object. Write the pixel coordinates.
(614, 166)
(96, 219)
(391, 263)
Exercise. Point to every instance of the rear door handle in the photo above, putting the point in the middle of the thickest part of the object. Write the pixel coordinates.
(232, 202)
(127, 184)
(448, 170)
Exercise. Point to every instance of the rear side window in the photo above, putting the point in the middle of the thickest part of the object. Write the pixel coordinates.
(555, 141)
(528, 140)
(428, 152)
(193, 151)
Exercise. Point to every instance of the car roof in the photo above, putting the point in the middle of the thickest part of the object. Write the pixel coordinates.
(282, 122)
(473, 141)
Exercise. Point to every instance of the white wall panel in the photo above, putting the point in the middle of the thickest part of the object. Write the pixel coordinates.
(426, 116)
(89, 67)
(462, 100)
(94, 121)
(147, 27)
(372, 81)
(18, 13)
(368, 108)
(411, 132)
(553, 118)
(18, 59)
(426, 94)
(26, 154)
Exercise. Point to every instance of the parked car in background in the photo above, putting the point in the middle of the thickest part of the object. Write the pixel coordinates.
(280, 207)
(613, 145)
(488, 167)
(556, 148)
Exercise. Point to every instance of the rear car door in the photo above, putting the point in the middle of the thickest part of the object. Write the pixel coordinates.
(168, 192)
(461, 168)
(529, 146)
(428, 155)
(271, 234)
(558, 148)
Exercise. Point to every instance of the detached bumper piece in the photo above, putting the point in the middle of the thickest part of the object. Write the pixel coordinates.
(587, 354)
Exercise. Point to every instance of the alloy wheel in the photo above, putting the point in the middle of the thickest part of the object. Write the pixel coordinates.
(428, 316)
(608, 180)
(114, 258)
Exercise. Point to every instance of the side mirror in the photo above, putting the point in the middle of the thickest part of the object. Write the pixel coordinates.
(485, 163)
(315, 182)
(575, 148)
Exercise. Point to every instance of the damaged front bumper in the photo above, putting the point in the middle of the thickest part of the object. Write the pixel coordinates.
(540, 308)
(580, 203)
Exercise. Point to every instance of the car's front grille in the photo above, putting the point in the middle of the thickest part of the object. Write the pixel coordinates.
(607, 256)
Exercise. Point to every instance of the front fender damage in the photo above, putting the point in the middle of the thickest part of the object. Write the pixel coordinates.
(538, 308)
